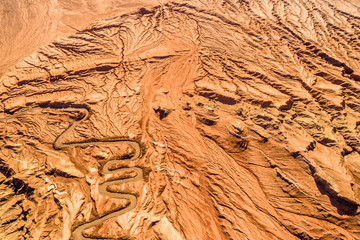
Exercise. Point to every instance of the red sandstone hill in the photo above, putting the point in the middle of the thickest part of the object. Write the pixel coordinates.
(180, 120)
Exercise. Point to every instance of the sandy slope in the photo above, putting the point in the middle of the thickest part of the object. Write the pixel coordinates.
(26, 25)
(247, 112)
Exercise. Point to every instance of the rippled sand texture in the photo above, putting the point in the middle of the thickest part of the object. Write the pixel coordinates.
(246, 114)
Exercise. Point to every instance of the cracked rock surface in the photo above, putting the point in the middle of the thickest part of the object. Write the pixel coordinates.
(246, 114)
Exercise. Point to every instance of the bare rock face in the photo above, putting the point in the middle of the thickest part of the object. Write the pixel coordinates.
(184, 120)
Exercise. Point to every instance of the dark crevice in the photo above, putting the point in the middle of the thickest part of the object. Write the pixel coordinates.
(311, 146)
(144, 11)
(59, 173)
(60, 105)
(218, 97)
(57, 203)
(344, 205)
(5, 169)
(20, 187)
(161, 112)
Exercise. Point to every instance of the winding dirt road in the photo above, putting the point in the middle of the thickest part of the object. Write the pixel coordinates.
(58, 144)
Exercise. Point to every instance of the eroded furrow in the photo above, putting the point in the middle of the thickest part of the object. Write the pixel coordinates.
(107, 169)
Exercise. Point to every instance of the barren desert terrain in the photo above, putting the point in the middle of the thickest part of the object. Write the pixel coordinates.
(180, 120)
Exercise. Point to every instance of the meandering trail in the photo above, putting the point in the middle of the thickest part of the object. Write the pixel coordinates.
(59, 144)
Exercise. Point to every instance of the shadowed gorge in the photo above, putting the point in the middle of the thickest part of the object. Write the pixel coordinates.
(180, 120)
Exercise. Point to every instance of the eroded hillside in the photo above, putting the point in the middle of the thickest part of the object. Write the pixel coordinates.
(188, 120)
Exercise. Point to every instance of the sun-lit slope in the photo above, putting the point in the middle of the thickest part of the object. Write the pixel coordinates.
(248, 114)
(26, 25)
